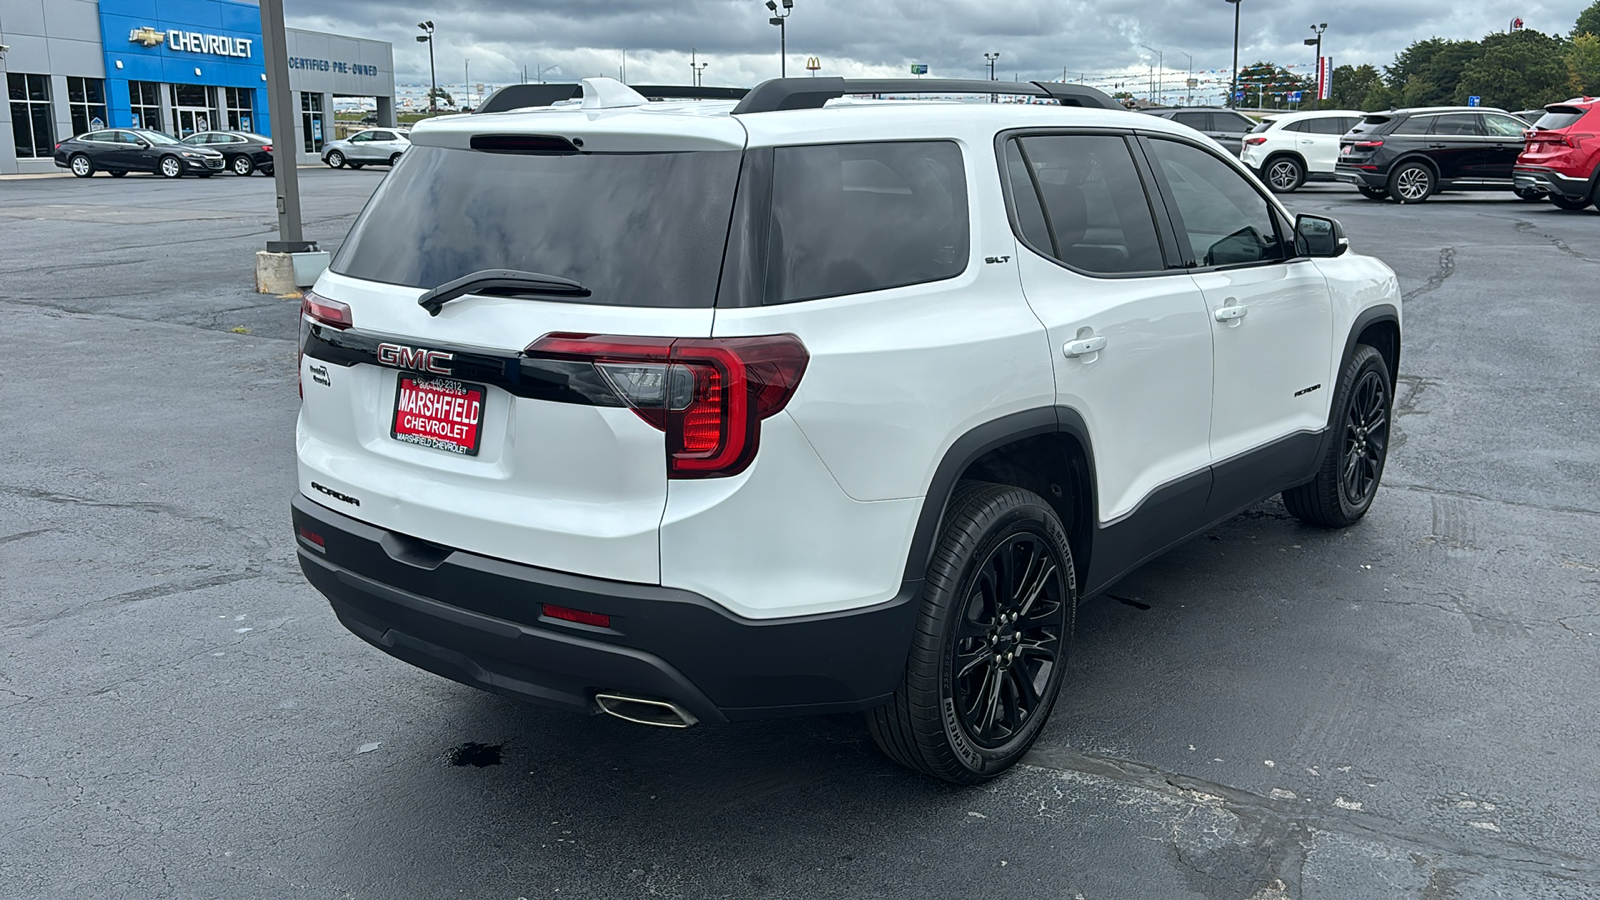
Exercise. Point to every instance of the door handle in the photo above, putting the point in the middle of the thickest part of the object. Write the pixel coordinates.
(1231, 311)
(1075, 349)
(1436, 146)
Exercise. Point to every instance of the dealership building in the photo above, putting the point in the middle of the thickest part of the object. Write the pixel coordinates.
(177, 66)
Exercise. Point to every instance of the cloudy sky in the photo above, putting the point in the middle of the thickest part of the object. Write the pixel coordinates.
(1036, 39)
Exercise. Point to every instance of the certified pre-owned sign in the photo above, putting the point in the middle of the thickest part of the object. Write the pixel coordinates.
(194, 42)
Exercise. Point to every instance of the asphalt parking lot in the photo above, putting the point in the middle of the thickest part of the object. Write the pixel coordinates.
(1406, 709)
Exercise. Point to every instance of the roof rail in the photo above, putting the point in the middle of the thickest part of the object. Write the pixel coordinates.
(526, 96)
(813, 93)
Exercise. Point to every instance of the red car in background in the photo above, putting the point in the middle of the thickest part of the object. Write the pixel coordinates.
(1562, 154)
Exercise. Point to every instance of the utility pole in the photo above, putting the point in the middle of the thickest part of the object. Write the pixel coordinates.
(1316, 98)
(280, 105)
(1233, 92)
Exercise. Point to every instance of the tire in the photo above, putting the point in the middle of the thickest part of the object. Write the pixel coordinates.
(202, 174)
(241, 165)
(335, 159)
(1342, 491)
(170, 167)
(117, 173)
(81, 166)
(356, 165)
(394, 160)
(967, 727)
(1562, 201)
(1284, 174)
(1412, 182)
(1531, 195)
(1372, 193)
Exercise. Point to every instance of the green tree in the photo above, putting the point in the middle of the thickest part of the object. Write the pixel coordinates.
(1428, 72)
(442, 95)
(1588, 20)
(1520, 70)
(1583, 58)
(1267, 86)
(1359, 87)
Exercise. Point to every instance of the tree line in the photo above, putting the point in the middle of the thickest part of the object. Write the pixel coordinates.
(1522, 69)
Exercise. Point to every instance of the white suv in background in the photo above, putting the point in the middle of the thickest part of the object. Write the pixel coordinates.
(1291, 149)
(697, 412)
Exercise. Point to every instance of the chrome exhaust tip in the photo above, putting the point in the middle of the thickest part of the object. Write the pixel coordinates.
(661, 713)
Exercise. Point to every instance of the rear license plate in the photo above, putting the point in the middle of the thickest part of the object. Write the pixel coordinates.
(440, 413)
(1344, 151)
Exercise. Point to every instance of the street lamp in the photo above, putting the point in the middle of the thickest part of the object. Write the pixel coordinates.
(783, 33)
(1233, 92)
(1188, 79)
(696, 67)
(433, 74)
(1316, 99)
(1160, 61)
(991, 57)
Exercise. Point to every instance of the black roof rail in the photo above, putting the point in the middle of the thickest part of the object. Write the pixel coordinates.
(812, 93)
(525, 96)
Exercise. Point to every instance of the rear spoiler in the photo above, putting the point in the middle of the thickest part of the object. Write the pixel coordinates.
(529, 96)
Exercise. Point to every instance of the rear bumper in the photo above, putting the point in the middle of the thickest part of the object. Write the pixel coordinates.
(479, 621)
(1549, 180)
(1360, 177)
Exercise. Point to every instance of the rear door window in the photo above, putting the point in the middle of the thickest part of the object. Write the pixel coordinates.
(1095, 215)
(1224, 219)
(852, 218)
(1504, 126)
(1327, 126)
(636, 229)
(1460, 124)
(1199, 121)
(1415, 125)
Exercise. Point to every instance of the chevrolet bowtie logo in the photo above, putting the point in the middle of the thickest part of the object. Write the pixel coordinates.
(147, 36)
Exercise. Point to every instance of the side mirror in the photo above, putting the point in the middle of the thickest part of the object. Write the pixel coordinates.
(1318, 236)
(143, 144)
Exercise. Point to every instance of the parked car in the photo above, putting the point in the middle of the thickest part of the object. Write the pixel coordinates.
(369, 119)
(1529, 115)
(242, 151)
(119, 151)
(375, 146)
(663, 428)
(1562, 155)
(1289, 149)
(1411, 154)
(1225, 126)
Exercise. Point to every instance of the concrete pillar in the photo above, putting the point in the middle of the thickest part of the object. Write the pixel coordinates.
(386, 112)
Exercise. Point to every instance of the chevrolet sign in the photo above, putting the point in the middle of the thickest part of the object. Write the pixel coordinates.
(193, 42)
(147, 36)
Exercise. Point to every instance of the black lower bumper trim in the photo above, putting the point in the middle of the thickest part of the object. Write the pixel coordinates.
(479, 621)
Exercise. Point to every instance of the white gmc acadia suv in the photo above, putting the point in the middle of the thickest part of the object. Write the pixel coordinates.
(700, 411)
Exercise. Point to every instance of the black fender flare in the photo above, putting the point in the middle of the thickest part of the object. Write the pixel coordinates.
(974, 444)
(1383, 312)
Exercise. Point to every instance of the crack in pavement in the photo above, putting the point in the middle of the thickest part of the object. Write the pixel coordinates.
(1255, 808)
(1447, 267)
(24, 535)
(1468, 495)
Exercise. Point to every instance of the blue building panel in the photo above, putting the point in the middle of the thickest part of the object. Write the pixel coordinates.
(207, 42)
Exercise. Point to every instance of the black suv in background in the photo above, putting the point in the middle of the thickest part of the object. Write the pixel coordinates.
(1224, 126)
(1412, 154)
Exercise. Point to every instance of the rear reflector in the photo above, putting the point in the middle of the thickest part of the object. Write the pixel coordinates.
(311, 537)
(708, 394)
(581, 616)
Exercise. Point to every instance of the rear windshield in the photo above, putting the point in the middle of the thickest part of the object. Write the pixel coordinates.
(636, 229)
(1561, 117)
(1370, 123)
(1264, 125)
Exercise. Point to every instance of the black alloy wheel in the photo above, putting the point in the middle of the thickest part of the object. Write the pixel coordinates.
(242, 165)
(990, 647)
(81, 166)
(170, 167)
(1285, 175)
(1357, 446)
(1412, 182)
(1372, 193)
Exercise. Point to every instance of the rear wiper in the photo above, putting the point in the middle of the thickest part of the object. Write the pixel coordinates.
(500, 283)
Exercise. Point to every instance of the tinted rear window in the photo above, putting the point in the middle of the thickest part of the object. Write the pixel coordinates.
(1370, 123)
(637, 229)
(851, 218)
(1563, 117)
(1266, 124)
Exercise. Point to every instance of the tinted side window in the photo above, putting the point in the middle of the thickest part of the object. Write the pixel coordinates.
(1225, 220)
(1415, 125)
(851, 218)
(1197, 120)
(1326, 126)
(1025, 200)
(1457, 123)
(1229, 121)
(1504, 126)
(382, 136)
(1303, 125)
(1096, 213)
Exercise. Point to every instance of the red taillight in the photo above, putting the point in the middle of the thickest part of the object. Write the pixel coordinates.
(313, 538)
(581, 616)
(1367, 145)
(708, 394)
(1255, 141)
(267, 147)
(319, 310)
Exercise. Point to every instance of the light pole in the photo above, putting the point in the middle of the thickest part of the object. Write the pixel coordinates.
(1188, 79)
(1233, 92)
(991, 57)
(696, 67)
(1160, 61)
(433, 74)
(466, 71)
(783, 33)
(1316, 99)
(539, 74)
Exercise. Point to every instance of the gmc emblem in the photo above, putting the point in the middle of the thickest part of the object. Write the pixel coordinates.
(435, 361)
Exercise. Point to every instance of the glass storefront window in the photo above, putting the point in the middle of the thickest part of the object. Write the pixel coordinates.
(145, 99)
(32, 129)
(239, 104)
(86, 99)
(314, 121)
(193, 109)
